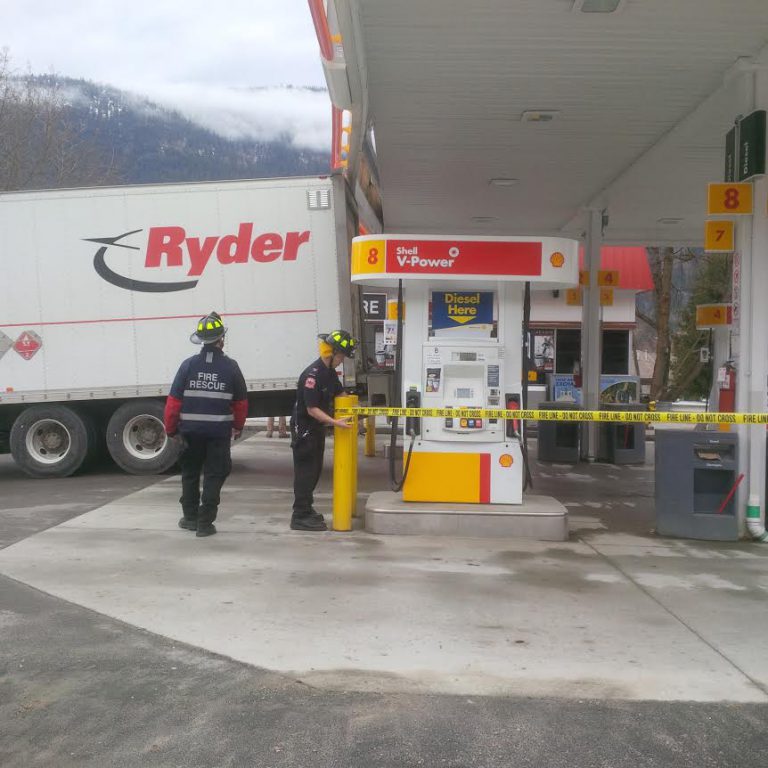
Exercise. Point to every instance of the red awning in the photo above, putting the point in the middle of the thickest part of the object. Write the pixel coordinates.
(631, 263)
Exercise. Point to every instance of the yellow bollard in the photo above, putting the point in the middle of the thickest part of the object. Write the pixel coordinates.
(344, 469)
(370, 435)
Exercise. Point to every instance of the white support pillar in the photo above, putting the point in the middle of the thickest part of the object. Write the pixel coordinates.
(757, 400)
(742, 330)
(591, 331)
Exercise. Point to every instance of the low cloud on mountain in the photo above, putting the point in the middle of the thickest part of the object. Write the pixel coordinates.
(264, 114)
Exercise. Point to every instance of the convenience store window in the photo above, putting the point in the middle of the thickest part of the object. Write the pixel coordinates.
(568, 349)
(615, 352)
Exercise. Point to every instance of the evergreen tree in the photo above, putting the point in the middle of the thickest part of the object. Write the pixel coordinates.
(690, 378)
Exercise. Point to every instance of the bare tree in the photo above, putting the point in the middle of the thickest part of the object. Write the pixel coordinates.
(662, 264)
(39, 147)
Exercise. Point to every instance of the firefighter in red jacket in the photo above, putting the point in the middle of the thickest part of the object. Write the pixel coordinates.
(206, 407)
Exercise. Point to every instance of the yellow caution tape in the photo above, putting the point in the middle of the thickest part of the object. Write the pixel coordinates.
(646, 417)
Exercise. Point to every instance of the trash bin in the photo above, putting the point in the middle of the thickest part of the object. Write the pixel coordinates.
(621, 442)
(696, 473)
(559, 440)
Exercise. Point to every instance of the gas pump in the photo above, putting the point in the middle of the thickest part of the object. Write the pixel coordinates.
(462, 348)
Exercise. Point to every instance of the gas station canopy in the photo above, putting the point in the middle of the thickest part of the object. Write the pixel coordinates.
(504, 117)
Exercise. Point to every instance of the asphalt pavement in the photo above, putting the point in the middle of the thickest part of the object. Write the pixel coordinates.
(82, 687)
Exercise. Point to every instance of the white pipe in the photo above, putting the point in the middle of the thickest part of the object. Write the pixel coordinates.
(754, 523)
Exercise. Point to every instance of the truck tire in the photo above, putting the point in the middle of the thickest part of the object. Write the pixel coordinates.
(51, 440)
(137, 441)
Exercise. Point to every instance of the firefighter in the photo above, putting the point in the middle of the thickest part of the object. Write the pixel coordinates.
(205, 410)
(318, 385)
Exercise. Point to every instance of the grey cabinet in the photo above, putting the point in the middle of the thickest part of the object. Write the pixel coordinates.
(559, 441)
(695, 472)
(622, 442)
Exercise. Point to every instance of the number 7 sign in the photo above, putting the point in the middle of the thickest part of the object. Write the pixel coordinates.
(718, 236)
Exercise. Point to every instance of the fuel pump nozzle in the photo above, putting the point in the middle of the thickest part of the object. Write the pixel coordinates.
(413, 423)
(412, 428)
(513, 431)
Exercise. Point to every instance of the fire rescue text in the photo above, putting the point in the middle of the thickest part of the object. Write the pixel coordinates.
(206, 381)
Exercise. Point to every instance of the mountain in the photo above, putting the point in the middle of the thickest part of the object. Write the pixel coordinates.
(144, 142)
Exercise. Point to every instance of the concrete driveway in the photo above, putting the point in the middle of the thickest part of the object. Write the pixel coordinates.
(608, 615)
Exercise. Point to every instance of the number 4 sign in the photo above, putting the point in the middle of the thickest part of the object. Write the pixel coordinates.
(729, 198)
(718, 236)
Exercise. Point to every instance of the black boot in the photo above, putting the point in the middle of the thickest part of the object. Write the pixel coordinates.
(308, 523)
(206, 530)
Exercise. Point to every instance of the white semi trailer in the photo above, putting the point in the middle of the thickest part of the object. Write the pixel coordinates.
(100, 289)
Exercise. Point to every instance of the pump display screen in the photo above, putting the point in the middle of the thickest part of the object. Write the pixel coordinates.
(467, 357)
(464, 392)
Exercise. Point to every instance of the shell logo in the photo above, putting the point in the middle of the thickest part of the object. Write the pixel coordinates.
(557, 260)
(506, 460)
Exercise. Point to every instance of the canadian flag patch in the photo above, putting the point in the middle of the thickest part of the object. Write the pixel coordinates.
(309, 383)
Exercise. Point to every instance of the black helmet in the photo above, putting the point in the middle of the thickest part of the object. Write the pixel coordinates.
(340, 341)
(209, 329)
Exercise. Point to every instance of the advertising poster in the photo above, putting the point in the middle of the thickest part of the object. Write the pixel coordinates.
(390, 333)
(613, 389)
(433, 380)
(544, 351)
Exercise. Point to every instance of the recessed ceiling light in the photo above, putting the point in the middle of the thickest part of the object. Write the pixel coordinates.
(668, 220)
(484, 219)
(504, 181)
(539, 115)
(597, 6)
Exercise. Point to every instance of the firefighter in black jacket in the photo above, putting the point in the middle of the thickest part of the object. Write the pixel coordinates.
(313, 411)
(207, 406)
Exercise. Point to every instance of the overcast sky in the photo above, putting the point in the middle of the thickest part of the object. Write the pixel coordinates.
(194, 55)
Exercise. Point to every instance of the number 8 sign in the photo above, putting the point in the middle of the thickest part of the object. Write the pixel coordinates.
(729, 198)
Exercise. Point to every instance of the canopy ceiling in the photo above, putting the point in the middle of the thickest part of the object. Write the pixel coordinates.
(643, 98)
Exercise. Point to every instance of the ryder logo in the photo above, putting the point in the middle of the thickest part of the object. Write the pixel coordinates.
(168, 249)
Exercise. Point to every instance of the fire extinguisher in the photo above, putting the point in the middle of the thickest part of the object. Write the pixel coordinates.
(726, 380)
(577, 375)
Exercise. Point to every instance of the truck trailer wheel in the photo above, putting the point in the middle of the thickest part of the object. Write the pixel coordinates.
(51, 440)
(137, 441)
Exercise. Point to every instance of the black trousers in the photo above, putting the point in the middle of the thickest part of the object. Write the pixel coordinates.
(210, 456)
(307, 466)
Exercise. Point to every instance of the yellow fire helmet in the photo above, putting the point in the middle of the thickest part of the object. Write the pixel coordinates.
(340, 341)
(209, 329)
